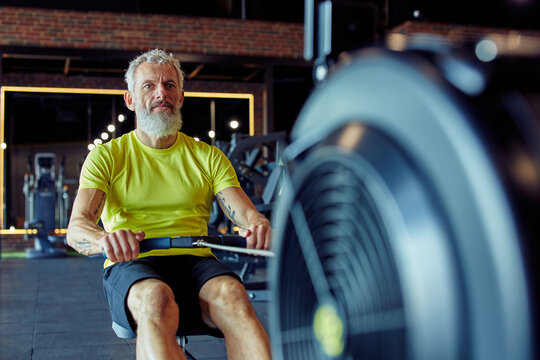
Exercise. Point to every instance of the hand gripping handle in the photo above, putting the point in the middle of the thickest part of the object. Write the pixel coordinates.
(185, 242)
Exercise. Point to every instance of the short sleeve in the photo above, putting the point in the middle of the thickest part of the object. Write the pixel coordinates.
(96, 170)
(223, 174)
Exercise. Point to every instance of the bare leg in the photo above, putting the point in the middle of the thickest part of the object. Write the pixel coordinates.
(225, 305)
(151, 303)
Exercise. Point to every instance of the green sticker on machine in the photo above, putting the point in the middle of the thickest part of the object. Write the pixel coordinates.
(328, 329)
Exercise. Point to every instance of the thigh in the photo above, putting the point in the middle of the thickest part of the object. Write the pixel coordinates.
(198, 271)
(203, 269)
(118, 280)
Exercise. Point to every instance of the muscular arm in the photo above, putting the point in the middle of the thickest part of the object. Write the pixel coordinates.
(240, 210)
(83, 232)
(85, 236)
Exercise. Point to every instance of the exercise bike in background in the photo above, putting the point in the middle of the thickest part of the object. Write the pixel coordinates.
(47, 205)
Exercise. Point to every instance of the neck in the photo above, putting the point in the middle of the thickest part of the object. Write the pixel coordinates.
(156, 142)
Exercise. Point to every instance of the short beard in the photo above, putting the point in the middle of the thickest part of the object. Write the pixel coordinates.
(160, 124)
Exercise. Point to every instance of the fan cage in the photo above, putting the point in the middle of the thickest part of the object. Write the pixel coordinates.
(354, 251)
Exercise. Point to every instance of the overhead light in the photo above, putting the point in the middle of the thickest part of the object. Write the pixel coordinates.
(111, 128)
(104, 135)
(121, 118)
(486, 50)
(91, 146)
(3, 146)
(98, 142)
(211, 134)
(234, 124)
(196, 138)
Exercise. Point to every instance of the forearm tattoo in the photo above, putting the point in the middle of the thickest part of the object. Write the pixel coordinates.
(226, 207)
(83, 246)
(99, 205)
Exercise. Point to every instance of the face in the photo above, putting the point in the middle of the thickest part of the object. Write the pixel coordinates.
(156, 99)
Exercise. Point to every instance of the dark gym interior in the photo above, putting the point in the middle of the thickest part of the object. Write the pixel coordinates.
(394, 144)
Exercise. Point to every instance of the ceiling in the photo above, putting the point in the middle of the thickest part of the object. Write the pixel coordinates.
(275, 10)
(497, 13)
(91, 63)
(196, 67)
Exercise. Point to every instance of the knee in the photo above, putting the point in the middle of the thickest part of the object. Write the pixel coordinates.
(231, 297)
(154, 298)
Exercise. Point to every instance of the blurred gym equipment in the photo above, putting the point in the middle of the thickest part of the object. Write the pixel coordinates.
(258, 164)
(46, 205)
(408, 224)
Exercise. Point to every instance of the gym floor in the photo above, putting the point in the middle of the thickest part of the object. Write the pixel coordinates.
(55, 309)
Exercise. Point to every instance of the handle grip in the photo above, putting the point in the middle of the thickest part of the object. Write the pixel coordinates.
(186, 242)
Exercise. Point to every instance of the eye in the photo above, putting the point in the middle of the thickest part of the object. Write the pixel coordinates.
(147, 86)
(171, 85)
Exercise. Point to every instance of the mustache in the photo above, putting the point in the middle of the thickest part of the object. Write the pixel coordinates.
(162, 103)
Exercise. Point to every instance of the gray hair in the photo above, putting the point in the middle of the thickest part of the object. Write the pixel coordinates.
(155, 56)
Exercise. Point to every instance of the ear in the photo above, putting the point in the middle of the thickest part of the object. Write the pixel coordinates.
(181, 98)
(130, 102)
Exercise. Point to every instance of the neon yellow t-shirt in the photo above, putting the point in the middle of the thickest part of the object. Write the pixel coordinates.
(163, 192)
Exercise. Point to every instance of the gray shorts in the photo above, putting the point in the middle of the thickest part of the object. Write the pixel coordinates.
(185, 274)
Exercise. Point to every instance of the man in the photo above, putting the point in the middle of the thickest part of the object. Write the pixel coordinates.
(156, 182)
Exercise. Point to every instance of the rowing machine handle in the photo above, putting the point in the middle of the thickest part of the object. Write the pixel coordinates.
(183, 242)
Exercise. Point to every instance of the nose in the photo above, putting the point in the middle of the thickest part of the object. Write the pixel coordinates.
(161, 92)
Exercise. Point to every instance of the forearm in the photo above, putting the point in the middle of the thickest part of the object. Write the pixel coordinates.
(243, 216)
(83, 232)
(241, 211)
(84, 236)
